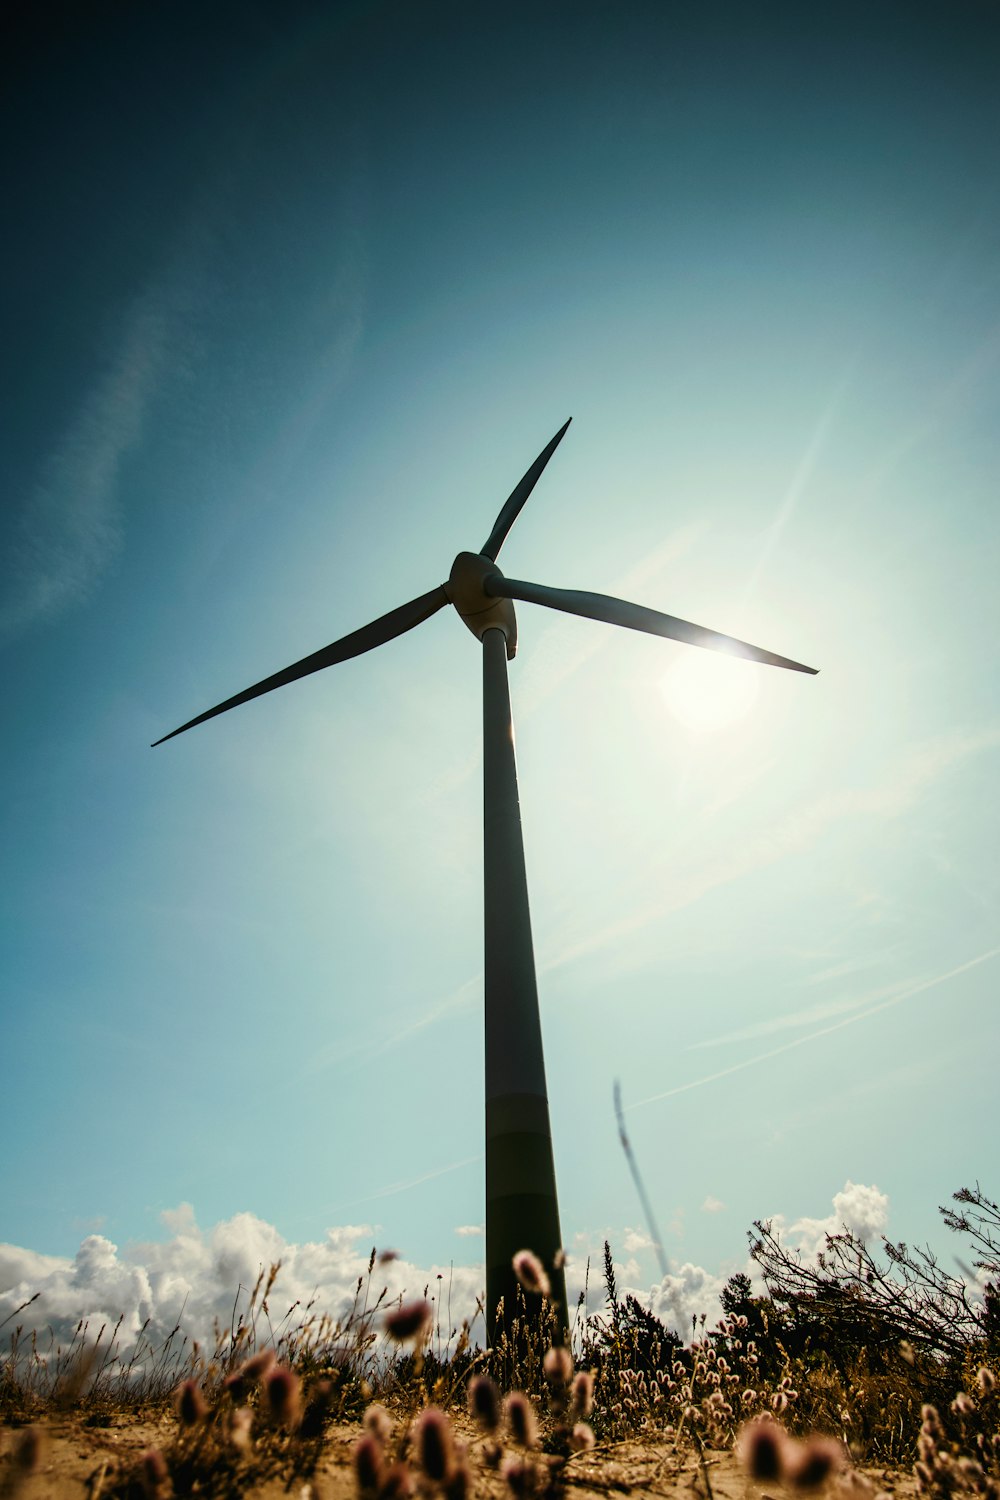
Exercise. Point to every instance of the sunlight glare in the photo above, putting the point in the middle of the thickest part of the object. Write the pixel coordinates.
(705, 691)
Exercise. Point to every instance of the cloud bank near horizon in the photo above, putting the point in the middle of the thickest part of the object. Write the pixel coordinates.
(192, 1278)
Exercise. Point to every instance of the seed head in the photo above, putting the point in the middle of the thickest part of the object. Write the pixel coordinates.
(484, 1403)
(240, 1383)
(153, 1473)
(558, 1366)
(434, 1444)
(521, 1422)
(367, 1460)
(27, 1456)
(531, 1273)
(378, 1422)
(408, 1321)
(397, 1483)
(190, 1403)
(581, 1398)
(762, 1451)
(814, 1462)
(282, 1388)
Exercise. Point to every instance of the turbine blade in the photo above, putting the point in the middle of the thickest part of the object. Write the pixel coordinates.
(385, 628)
(515, 501)
(633, 617)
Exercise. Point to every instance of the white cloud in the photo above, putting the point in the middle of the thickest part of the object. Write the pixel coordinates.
(636, 1239)
(712, 1205)
(192, 1278)
(684, 1295)
(470, 1230)
(862, 1210)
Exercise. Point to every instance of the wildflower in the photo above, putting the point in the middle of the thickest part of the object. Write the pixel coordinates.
(962, 1405)
(559, 1260)
(558, 1366)
(408, 1321)
(26, 1458)
(779, 1401)
(521, 1419)
(396, 1483)
(378, 1422)
(762, 1451)
(581, 1400)
(239, 1383)
(459, 1485)
(367, 1460)
(484, 1403)
(986, 1380)
(434, 1444)
(153, 1473)
(531, 1273)
(190, 1403)
(282, 1388)
(519, 1474)
(814, 1462)
(582, 1437)
(387, 1256)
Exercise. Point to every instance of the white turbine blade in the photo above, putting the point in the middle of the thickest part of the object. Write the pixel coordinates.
(515, 500)
(385, 628)
(633, 617)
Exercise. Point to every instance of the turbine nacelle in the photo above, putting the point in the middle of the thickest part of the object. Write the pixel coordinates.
(466, 590)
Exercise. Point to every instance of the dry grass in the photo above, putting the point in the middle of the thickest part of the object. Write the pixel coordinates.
(368, 1405)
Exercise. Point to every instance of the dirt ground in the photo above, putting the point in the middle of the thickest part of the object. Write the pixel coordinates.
(82, 1462)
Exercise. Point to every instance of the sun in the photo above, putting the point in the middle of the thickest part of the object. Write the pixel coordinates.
(706, 692)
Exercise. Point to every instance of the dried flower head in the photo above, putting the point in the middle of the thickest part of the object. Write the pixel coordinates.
(282, 1388)
(484, 1402)
(811, 1464)
(409, 1321)
(521, 1422)
(581, 1396)
(153, 1473)
(434, 1444)
(761, 1449)
(378, 1422)
(241, 1381)
(531, 1273)
(367, 1461)
(397, 1483)
(190, 1403)
(519, 1475)
(558, 1366)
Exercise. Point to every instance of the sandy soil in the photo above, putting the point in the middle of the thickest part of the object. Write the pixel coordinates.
(81, 1460)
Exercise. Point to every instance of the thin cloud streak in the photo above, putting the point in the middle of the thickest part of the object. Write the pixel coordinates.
(403, 1187)
(70, 530)
(801, 1041)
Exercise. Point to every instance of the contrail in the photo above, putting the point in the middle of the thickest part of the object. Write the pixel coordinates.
(402, 1187)
(749, 1062)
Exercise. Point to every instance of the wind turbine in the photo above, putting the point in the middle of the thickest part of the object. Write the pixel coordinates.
(521, 1206)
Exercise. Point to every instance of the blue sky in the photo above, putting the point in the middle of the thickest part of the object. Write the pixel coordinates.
(294, 297)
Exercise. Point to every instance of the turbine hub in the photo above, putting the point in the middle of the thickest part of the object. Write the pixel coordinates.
(466, 590)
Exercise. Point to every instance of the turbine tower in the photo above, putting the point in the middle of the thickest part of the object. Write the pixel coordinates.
(522, 1210)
